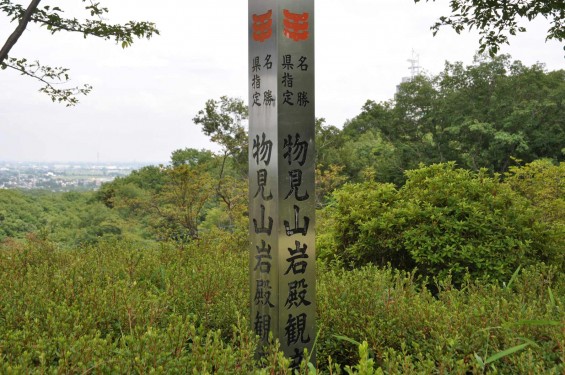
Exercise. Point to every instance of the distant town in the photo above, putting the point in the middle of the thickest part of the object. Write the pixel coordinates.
(61, 177)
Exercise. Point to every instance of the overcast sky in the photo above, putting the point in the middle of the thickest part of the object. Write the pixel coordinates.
(145, 97)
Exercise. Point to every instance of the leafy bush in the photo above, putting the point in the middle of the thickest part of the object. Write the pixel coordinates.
(410, 331)
(118, 308)
(543, 184)
(443, 221)
(115, 302)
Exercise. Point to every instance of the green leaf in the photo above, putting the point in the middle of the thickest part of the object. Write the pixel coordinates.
(551, 297)
(514, 276)
(311, 368)
(480, 360)
(344, 338)
(506, 352)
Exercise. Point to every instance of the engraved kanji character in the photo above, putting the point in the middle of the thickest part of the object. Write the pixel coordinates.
(302, 65)
(296, 260)
(297, 294)
(262, 325)
(296, 358)
(287, 62)
(295, 329)
(287, 97)
(268, 63)
(263, 228)
(262, 149)
(297, 229)
(268, 98)
(256, 99)
(302, 99)
(287, 79)
(262, 183)
(256, 81)
(263, 258)
(256, 65)
(263, 293)
(295, 150)
(295, 182)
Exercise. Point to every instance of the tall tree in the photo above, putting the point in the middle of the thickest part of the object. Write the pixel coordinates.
(482, 116)
(497, 110)
(496, 20)
(223, 121)
(191, 157)
(51, 17)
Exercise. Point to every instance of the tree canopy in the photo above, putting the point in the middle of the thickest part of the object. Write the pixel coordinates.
(485, 115)
(496, 20)
(53, 19)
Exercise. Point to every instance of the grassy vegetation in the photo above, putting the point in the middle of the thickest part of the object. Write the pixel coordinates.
(440, 243)
(115, 307)
(107, 283)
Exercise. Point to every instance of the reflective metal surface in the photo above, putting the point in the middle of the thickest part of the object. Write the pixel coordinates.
(281, 172)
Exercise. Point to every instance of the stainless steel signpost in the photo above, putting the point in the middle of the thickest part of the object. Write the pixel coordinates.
(281, 173)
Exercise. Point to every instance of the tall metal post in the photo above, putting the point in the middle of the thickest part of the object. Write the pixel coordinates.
(281, 173)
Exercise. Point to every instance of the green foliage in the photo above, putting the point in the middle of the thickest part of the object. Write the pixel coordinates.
(54, 20)
(543, 184)
(404, 329)
(150, 274)
(180, 204)
(327, 180)
(65, 218)
(191, 157)
(328, 141)
(116, 307)
(365, 365)
(198, 192)
(19, 214)
(150, 178)
(167, 201)
(497, 110)
(51, 18)
(481, 116)
(370, 151)
(51, 77)
(496, 20)
(223, 121)
(443, 221)
(341, 229)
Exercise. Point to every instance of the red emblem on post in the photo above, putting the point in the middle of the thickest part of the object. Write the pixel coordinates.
(262, 26)
(296, 25)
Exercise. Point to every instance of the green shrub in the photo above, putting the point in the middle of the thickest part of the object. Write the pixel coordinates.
(118, 308)
(543, 184)
(409, 331)
(115, 296)
(443, 221)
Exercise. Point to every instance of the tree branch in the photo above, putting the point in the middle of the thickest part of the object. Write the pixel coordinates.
(49, 77)
(13, 39)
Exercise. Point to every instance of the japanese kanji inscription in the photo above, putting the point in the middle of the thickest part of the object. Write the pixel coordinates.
(281, 173)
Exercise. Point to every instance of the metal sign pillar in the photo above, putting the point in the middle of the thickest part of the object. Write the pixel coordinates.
(281, 173)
